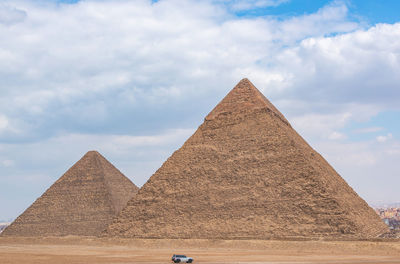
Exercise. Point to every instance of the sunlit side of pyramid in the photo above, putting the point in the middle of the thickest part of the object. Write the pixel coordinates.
(246, 173)
(82, 202)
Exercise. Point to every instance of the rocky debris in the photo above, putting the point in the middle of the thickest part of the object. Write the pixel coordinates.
(246, 174)
(82, 202)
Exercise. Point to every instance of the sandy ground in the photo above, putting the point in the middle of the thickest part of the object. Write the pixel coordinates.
(87, 250)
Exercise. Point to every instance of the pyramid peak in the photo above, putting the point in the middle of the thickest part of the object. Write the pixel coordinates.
(245, 80)
(91, 159)
(92, 153)
(246, 88)
(242, 98)
(95, 155)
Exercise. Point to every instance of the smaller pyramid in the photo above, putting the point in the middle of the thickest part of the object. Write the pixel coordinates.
(82, 202)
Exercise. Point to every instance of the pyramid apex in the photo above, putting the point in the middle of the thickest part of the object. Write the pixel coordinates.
(92, 153)
(244, 97)
(246, 83)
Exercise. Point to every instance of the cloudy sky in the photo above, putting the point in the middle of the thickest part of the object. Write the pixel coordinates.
(134, 79)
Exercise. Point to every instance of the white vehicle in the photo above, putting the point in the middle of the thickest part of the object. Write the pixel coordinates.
(181, 258)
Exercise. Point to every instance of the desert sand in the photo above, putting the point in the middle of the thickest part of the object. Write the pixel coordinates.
(101, 250)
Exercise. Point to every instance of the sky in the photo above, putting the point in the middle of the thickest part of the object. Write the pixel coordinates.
(134, 79)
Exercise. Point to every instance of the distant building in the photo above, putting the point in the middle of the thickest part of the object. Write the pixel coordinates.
(390, 216)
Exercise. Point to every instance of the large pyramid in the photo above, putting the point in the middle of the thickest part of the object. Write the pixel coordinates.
(82, 202)
(246, 174)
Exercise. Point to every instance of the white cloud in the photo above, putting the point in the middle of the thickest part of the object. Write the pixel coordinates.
(158, 140)
(132, 78)
(89, 62)
(241, 5)
(6, 126)
(138, 156)
(368, 130)
(10, 15)
(3, 123)
(343, 155)
(321, 126)
(7, 163)
(368, 166)
(352, 67)
(336, 135)
(329, 19)
(383, 139)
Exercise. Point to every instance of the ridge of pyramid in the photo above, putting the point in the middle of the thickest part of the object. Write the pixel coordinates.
(83, 201)
(117, 184)
(245, 174)
(244, 97)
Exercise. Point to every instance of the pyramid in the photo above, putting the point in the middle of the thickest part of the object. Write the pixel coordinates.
(82, 202)
(246, 174)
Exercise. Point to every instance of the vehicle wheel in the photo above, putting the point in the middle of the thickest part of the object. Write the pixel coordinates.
(177, 261)
(190, 261)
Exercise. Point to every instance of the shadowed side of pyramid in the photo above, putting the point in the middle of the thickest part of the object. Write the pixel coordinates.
(245, 173)
(81, 202)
